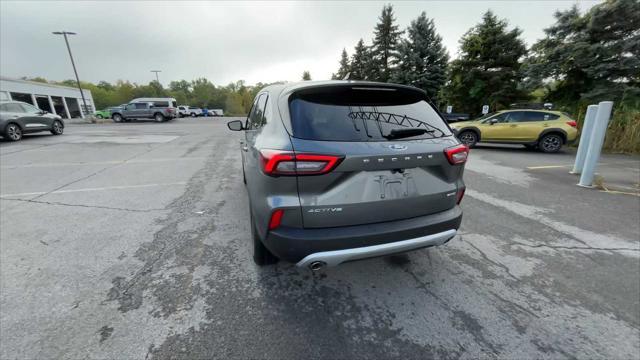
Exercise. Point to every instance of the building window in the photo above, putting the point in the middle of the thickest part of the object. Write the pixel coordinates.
(22, 97)
(73, 107)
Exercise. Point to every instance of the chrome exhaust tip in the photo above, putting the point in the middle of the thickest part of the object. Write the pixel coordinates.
(317, 265)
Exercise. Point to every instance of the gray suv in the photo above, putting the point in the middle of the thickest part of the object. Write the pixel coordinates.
(341, 170)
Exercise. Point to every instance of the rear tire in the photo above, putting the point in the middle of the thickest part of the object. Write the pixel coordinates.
(261, 255)
(13, 132)
(468, 138)
(57, 128)
(193, 114)
(550, 143)
(158, 117)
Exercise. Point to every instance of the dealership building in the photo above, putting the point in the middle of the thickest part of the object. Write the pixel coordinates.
(56, 99)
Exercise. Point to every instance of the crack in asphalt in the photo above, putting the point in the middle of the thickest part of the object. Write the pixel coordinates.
(80, 205)
(484, 256)
(560, 247)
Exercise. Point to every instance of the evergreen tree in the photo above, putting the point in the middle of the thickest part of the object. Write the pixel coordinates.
(489, 68)
(591, 57)
(422, 59)
(359, 62)
(344, 66)
(306, 75)
(383, 49)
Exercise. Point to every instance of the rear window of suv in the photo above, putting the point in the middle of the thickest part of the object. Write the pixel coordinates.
(362, 114)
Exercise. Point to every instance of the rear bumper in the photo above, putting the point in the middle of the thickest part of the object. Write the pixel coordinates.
(339, 244)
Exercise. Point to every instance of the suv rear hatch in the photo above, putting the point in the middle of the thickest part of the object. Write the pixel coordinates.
(383, 172)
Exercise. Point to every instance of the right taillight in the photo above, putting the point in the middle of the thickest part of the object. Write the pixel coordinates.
(457, 154)
(278, 162)
(572, 123)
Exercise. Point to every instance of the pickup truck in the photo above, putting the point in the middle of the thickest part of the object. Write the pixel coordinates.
(184, 110)
(142, 110)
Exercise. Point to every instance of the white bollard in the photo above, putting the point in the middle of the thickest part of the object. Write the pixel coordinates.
(595, 143)
(585, 136)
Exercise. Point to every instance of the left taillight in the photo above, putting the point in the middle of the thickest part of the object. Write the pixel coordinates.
(572, 123)
(277, 162)
(457, 154)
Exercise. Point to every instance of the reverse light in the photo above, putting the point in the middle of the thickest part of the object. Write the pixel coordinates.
(457, 154)
(276, 219)
(572, 123)
(277, 162)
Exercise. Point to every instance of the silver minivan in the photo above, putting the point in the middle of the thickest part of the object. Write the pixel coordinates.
(343, 170)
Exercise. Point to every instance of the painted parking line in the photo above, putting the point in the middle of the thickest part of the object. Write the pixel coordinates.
(571, 165)
(112, 162)
(106, 188)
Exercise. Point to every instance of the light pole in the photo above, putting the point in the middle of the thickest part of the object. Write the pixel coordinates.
(65, 33)
(157, 71)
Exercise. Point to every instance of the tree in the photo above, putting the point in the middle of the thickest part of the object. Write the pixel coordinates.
(489, 68)
(591, 57)
(306, 75)
(386, 37)
(422, 59)
(344, 68)
(359, 62)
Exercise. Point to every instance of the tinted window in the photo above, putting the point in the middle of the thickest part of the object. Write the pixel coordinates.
(12, 107)
(540, 116)
(160, 104)
(256, 117)
(500, 118)
(362, 116)
(141, 105)
(174, 104)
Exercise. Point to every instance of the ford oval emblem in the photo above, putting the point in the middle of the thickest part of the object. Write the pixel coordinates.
(397, 147)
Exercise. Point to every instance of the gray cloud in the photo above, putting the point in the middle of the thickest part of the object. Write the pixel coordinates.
(223, 41)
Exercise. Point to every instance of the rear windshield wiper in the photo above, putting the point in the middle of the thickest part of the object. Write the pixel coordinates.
(405, 133)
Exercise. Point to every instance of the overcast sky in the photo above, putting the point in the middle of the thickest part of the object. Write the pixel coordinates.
(224, 42)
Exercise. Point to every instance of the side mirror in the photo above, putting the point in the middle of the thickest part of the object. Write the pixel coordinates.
(41, 112)
(493, 121)
(235, 125)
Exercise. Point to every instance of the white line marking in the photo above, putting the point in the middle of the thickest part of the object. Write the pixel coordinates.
(138, 161)
(584, 237)
(107, 188)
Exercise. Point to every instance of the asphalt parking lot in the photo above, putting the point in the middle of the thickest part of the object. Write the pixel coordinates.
(132, 241)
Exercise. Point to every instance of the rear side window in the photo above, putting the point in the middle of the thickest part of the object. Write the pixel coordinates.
(160, 104)
(540, 116)
(363, 114)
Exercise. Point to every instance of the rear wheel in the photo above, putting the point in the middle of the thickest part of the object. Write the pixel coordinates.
(193, 114)
(117, 117)
(468, 138)
(57, 128)
(550, 143)
(158, 117)
(13, 132)
(261, 255)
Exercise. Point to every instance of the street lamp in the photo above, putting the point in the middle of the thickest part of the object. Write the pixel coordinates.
(65, 33)
(156, 71)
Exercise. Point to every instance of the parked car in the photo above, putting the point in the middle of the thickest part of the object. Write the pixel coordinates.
(144, 110)
(184, 110)
(545, 130)
(340, 170)
(103, 114)
(18, 118)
